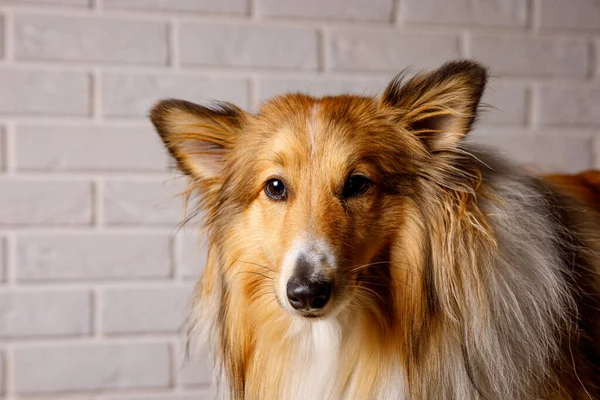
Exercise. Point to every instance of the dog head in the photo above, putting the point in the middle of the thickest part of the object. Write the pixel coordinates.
(309, 198)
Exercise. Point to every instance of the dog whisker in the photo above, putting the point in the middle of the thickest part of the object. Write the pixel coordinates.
(255, 273)
(256, 264)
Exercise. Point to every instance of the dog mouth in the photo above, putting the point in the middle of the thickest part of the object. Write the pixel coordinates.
(311, 315)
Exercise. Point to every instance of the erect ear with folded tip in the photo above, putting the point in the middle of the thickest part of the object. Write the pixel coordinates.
(199, 138)
(439, 106)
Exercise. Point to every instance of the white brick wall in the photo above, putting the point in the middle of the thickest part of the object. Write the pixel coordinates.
(95, 275)
(35, 92)
(92, 366)
(67, 148)
(389, 50)
(135, 310)
(359, 10)
(104, 40)
(510, 13)
(38, 202)
(148, 202)
(244, 45)
(34, 312)
(89, 256)
(132, 95)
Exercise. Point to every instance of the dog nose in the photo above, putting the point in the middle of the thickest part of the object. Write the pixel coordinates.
(308, 295)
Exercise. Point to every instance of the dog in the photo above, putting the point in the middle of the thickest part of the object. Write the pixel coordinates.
(363, 248)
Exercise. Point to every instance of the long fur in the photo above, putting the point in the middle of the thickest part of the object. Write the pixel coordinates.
(462, 276)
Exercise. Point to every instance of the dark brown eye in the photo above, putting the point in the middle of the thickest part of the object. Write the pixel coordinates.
(275, 189)
(355, 186)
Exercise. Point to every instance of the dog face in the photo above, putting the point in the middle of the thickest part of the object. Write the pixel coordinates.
(308, 196)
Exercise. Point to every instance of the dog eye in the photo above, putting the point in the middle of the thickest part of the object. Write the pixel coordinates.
(355, 186)
(275, 189)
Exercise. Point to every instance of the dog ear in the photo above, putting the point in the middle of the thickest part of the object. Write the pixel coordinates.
(199, 138)
(440, 106)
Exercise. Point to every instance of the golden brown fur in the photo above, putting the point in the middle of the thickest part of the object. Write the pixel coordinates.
(456, 275)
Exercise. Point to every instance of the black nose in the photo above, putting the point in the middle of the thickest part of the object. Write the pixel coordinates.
(308, 295)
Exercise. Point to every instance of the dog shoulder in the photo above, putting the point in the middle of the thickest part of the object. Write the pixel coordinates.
(584, 186)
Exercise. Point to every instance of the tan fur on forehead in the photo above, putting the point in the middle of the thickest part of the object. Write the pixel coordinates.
(330, 135)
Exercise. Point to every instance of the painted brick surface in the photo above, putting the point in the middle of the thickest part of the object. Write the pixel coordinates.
(3, 259)
(194, 251)
(36, 92)
(95, 271)
(390, 51)
(78, 3)
(89, 148)
(134, 95)
(80, 257)
(92, 367)
(486, 13)
(569, 105)
(596, 152)
(376, 10)
(570, 14)
(505, 103)
(155, 202)
(551, 151)
(2, 373)
(45, 203)
(31, 313)
(247, 46)
(3, 149)
(40, 37)
(193, 395)
(533, 56)
(200, 6)
(141, 310)
(195, 370)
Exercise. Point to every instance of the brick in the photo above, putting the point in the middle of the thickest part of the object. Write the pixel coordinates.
(2, 30)
(89, 148)
(569, 105)
(3, 259)
(596, 150)
(247, 46)
(551, 151)
(143, 310)
(203, 6)
(143, 203)
(196, 395)
(194, 253)
(36, 202)
(3, 149)
(376, 10)
(570, 14)
(196, 369)
(390, 51)
(134, 95)
(269, 87)
(507, 103)
(486, 13)
(595, 48)
(32, 92)
(89, 256)
(31, 313)
(79, 3)
(45, 37)
(539, 56)
(2, 373)
(91, 367)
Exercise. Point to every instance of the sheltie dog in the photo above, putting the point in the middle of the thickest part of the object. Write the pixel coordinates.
(359, 248)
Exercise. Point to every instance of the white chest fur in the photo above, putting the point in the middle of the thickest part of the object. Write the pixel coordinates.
(315, 368)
